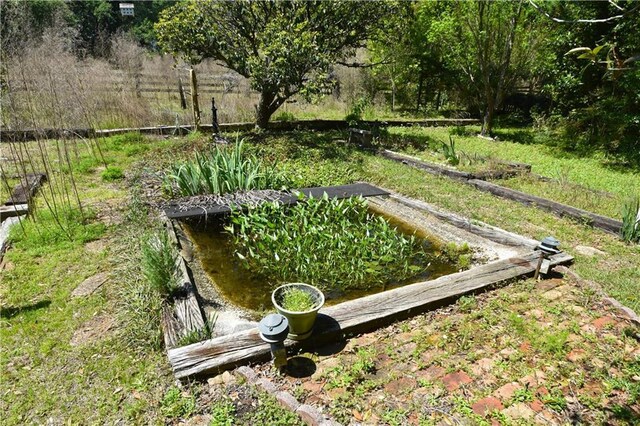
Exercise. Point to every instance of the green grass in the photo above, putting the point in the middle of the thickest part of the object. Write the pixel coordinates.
(592, 183)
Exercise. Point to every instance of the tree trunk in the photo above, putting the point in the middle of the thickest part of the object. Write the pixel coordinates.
(265, 109)
(419, 100)
(487, 121)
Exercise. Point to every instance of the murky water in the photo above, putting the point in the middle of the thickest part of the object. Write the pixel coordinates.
(242, 288)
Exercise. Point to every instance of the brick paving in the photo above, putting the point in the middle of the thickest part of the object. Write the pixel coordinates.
(509, 355)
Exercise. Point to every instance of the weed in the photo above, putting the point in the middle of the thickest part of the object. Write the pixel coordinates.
(175, 405)
(395, 417)
(555, 400)
(630, 231)
(112, 173)
(332, 244)
(523, 395)
(221, 171)
(467, 303)
(284, 116)
(201, 334)
(222, 413)
(297, 300)
(460, 255)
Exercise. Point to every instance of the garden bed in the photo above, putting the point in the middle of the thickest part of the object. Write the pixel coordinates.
(505, 256)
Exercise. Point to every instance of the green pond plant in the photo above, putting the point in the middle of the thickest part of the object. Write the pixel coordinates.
(336, 245)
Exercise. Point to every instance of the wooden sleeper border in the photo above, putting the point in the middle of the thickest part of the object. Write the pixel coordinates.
(607, 224)
(336, 322)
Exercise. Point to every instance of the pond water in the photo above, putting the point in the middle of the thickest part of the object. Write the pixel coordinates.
(242, 288)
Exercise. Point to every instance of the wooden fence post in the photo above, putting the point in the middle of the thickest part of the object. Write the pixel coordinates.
(194, 99)
(214, 116)
(183, 100)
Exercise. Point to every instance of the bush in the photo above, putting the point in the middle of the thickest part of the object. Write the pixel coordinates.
(332, 244)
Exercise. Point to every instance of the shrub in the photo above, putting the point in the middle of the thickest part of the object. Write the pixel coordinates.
(332, 244)
(221, 171)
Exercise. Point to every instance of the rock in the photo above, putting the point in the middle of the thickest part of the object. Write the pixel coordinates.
(90, 285)
(519, 411)
(589, 251)
(576, 355)
(602, 322)
(552, 295)
(507, 391)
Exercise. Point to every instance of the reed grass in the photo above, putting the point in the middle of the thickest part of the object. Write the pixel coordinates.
(630, 231)
(222, 170)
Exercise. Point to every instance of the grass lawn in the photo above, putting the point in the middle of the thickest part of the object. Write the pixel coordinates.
(78, 360)
(590, 183)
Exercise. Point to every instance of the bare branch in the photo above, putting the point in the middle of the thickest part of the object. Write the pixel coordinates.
(587, 21)
(363, 65)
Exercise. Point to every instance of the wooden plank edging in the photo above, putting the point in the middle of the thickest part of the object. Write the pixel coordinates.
(595, 220)
(607, 224)
(482, 229)
(186, 315)
(227, 352)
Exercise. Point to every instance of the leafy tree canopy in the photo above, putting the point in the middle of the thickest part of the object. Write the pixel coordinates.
(285, 48)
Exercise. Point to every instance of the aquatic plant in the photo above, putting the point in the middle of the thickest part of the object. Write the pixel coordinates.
(332, 244)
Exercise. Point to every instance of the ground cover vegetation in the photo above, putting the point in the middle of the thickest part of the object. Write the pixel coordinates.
(42, 327)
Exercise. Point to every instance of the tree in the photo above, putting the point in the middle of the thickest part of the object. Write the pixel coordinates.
(284, 48)
(491, 45)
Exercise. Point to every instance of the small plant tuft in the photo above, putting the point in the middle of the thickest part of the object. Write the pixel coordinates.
(297, 300)
(159, 263)
(449, 152)
(631, 220)
(111, 174)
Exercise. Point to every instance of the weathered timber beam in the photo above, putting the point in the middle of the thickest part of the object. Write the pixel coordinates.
(26, 189)
(187, 315)
(427, 167)
(597, 221)
(366, 313)
(482, 229)
(13, 210)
